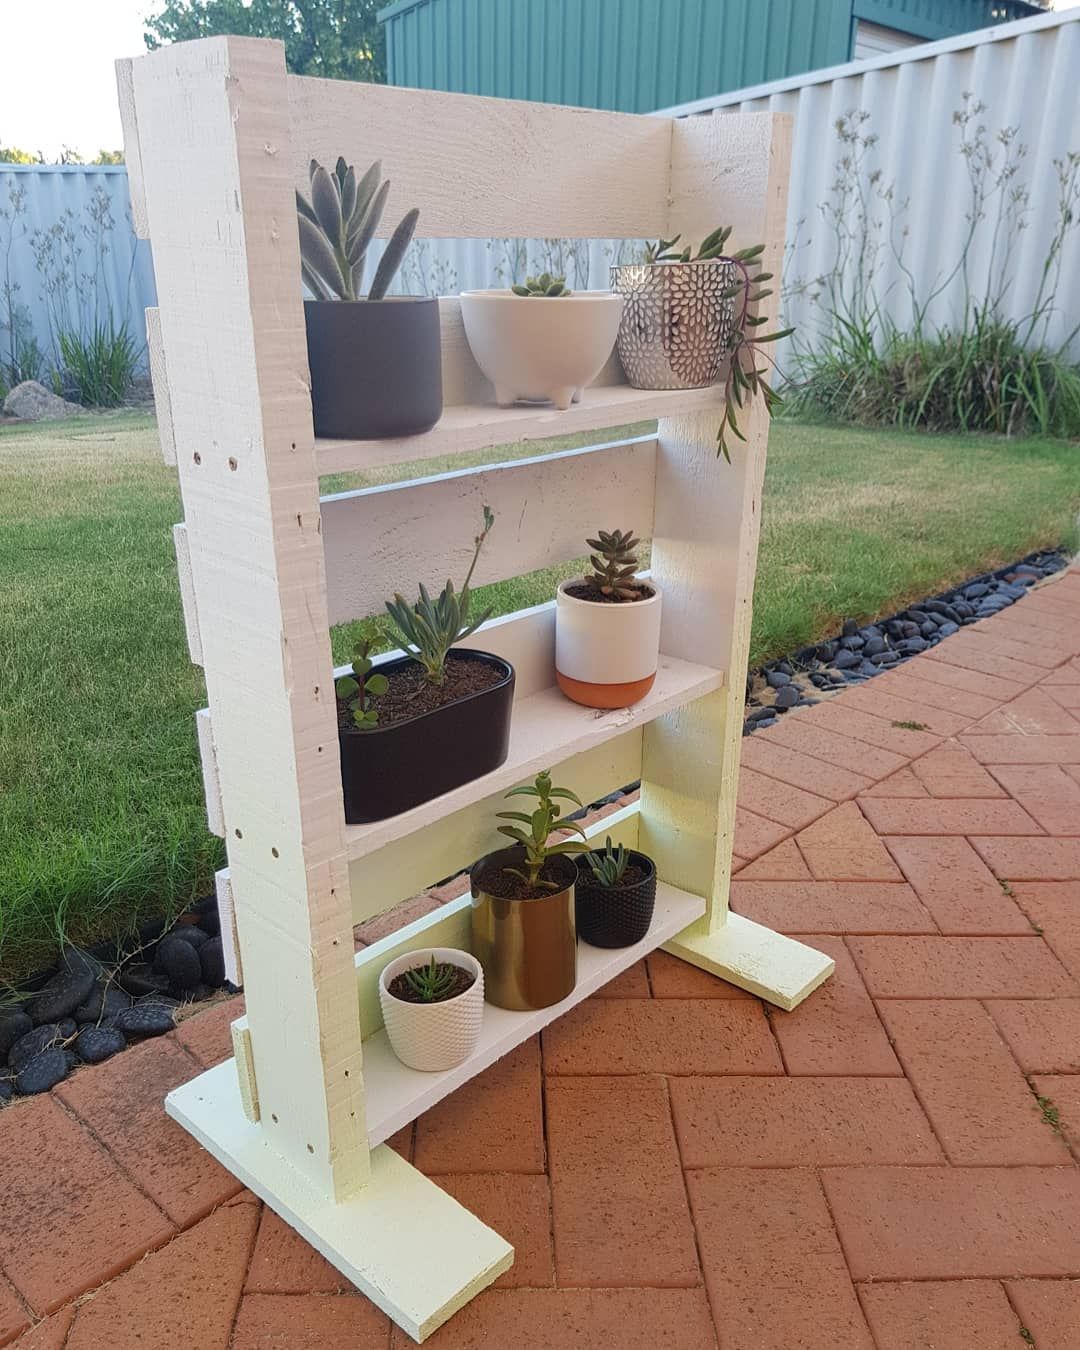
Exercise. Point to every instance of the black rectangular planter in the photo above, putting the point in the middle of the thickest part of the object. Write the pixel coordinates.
(390, 769)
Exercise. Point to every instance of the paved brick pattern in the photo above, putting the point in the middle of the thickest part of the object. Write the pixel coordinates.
(892, 1166)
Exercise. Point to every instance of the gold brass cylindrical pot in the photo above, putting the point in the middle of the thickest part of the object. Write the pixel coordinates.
(528, 948)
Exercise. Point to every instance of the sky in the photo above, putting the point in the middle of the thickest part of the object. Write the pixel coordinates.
(57, 85)
(56, 71)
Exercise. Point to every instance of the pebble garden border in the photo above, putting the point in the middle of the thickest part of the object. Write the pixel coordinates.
(858, 653)
(95, 1002)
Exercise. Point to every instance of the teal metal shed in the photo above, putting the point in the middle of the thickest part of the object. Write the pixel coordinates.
(640, 55)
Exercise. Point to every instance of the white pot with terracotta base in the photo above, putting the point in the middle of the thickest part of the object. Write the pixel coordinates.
(606, 655)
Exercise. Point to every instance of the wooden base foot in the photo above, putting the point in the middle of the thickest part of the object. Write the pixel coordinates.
(775, 968)
(411, 1248)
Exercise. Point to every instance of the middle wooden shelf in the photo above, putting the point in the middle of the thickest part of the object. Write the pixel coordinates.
(546, 729)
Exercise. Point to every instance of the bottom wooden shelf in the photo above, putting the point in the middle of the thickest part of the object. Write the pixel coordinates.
(395, 1095)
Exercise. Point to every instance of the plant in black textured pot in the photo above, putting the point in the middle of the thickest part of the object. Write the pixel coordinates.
(616, 892)
(416, 726)
(523, 930)
(375, 361)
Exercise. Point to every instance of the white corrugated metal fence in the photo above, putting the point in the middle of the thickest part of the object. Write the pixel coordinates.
(915, 177)
(905, 166)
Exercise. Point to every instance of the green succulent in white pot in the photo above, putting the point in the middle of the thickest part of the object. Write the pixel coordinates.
(375, 359)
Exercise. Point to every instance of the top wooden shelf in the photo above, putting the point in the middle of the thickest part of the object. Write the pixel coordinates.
(475, 426)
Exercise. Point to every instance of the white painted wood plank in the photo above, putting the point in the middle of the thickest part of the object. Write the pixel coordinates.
(245, 1068)
(214, 140)
(230, 943)
(546, 730)
(405, 1244)
(707, 519)
(125, 92)
(525, 638)
(159, 380)
(775, 968)
(187, 593)
(477, 426)
(215, 815)
(450, 842)
(479, 167)
(544, 510)
(397, 1094)
(451, 925)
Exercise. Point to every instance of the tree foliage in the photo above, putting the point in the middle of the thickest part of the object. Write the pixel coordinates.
(335, 39)
(11, 154)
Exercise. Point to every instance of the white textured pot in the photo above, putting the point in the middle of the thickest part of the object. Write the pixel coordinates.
(433, 1036)
(540, 349)
(606, 655)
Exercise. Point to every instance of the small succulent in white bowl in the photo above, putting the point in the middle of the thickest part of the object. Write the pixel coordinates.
(545, 352)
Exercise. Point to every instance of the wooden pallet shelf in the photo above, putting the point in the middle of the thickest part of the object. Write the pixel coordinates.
(217, 137)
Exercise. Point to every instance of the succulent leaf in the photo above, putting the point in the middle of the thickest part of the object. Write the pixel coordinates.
(327, 204)
(545, 287)
(319, 257)
(394, 254)
(348, 193)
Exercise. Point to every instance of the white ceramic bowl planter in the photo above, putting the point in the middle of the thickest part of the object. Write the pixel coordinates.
(606, 655)
(537, 348)
(433, 1036)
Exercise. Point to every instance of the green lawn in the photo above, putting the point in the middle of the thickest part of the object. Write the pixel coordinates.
(101, 817)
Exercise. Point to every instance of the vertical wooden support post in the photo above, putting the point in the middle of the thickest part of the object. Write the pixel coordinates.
(213, 138)
(704, 556)
(287, 1115)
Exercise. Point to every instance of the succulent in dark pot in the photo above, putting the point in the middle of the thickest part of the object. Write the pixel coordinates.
(375, 360)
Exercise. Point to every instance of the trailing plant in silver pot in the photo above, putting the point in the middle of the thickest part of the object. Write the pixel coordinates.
(376, 362)
(686, 312)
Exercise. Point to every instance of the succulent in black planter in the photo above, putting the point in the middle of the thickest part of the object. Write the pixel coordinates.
(616, 894)
(523, 904)
(418, 725)
(375, 360)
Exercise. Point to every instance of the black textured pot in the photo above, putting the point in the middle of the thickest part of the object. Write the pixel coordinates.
(615, 916)
(376, 366)
(390, 769)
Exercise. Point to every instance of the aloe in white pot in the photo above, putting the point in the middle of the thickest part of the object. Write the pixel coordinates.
(433, 1005)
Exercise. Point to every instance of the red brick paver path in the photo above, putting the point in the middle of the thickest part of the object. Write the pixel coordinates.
(893, 1166)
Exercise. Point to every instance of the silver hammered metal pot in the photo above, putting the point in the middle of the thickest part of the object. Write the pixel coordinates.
(675, 322)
